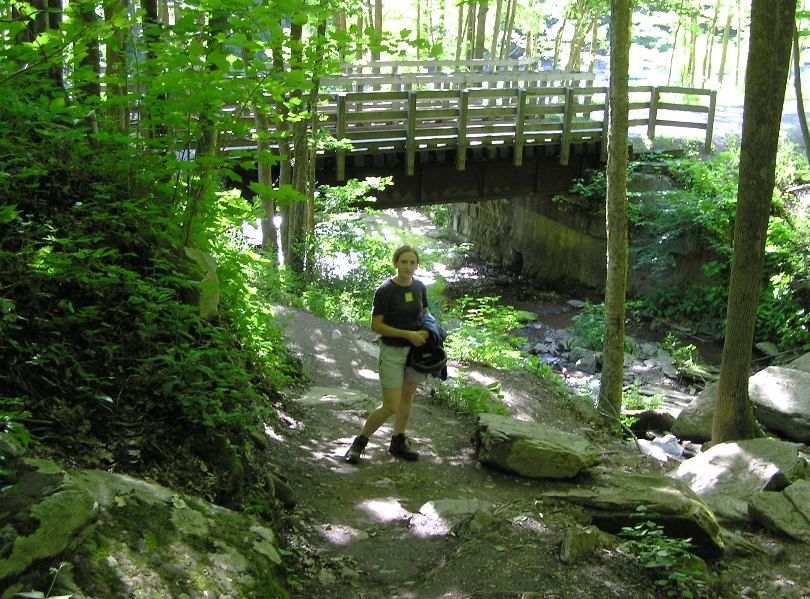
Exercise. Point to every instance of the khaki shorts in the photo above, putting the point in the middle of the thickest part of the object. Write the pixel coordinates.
(393, 371)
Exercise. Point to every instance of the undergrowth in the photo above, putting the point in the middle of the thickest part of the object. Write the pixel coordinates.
(105, 355)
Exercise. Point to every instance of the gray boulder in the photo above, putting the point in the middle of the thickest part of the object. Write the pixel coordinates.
(695, 420)
(126, 537)
(729, 474)
(780, 397)
(801, 363)
(781, 401)
(612, 498)
(531, 449)
(786, 512)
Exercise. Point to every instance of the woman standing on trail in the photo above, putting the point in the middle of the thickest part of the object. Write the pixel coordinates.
(399, 304)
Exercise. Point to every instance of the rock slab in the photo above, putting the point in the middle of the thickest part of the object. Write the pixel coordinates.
(531, 449)
(786, 512)
(729, 474)
(612, 498)
(780, 397)
(125, 537)
(781, 401)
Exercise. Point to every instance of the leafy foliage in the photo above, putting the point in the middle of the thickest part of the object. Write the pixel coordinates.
(700, 215)
(679, 572)
(470, 398)
(102, 340)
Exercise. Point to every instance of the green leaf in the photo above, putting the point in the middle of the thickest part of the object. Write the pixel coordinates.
(8, 213)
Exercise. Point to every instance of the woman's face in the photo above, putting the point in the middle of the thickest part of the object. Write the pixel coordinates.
(406, 264)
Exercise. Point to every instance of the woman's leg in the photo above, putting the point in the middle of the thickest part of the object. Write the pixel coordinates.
(403, 410)
(390, 405)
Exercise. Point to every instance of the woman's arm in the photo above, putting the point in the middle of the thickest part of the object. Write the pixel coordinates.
(416, 338)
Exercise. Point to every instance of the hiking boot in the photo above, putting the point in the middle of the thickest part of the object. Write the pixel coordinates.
(401, 448)
(356, 450)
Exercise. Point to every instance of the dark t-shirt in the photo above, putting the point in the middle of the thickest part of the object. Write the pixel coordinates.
(401, 307)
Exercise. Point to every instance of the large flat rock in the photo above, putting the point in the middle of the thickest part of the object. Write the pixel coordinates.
(781, 401)
(729, 474)
(780, 398)
(612, 498)
(786, 512)
(532, 449)
(128, 537)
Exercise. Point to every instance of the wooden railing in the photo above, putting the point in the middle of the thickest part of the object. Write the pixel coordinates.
(521, 110)
(394, 67)
(415, 121)
(456, 80)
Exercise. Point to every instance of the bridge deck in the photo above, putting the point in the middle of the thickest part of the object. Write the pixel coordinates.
(413, 121)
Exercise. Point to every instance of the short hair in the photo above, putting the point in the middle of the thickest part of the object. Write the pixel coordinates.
(401, 250)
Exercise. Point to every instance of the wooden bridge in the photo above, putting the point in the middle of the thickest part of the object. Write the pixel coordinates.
(522, 130)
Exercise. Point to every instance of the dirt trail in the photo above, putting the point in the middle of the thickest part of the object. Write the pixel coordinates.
(364, 522)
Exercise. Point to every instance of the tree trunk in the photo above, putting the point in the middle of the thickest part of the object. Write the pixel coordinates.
(772, 27)
(55, 71)
(675, 43)
(291, 213)
(558, 44)
(481, 29)
(797, 85)
(506, 41)
(418, 28)
(610, 391)
(90, 61)
(116, 75)
(721, 71)
(459, 31)
(378, 26)
(470, 29)
(707, 57)
(493, 45)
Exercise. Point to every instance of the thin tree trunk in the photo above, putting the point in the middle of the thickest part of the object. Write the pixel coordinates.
(418, 28)
(359, 53)
(610, 391)
(116, 75)
(675, 43)
(707, 57)
(506, 43)
(292, 212)
(378, 26)
(797, 85)
(459, 31)
(594, 42)
(470, 29)
(721, 71)
(493, 45)
(481, 30)
(558, 44)
(55, 70)
(90, 62)
(772, 26)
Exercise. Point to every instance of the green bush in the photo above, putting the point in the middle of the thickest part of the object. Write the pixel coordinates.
(700, 213)
(469, 398)
(101, 338)
(678, 572)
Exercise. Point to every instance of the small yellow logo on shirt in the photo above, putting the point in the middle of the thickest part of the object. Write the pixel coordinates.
(408, 296)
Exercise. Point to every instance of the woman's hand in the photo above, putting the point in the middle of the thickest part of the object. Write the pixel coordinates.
(418, 338)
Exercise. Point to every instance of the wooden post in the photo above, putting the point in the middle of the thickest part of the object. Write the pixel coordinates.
(603, 146)
(521, 115)
(410, 135)
(565, 148)
(707, 146)
(461, 146)
(340, 134)
(653, 113)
